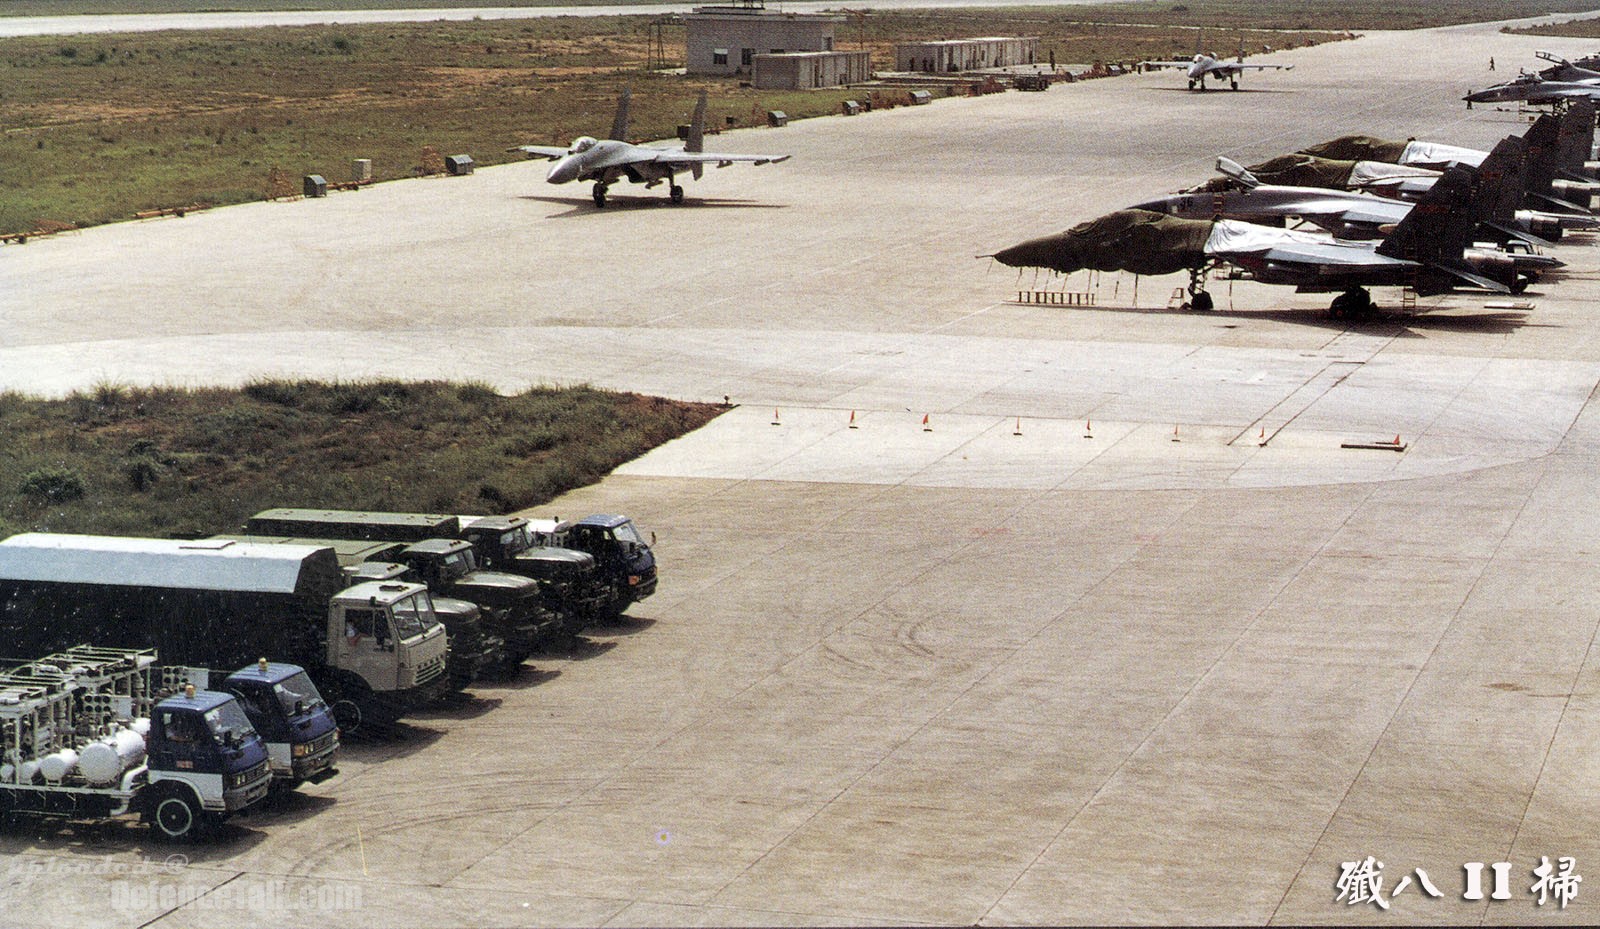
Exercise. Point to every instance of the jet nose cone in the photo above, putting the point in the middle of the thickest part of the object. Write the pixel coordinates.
(562, 171)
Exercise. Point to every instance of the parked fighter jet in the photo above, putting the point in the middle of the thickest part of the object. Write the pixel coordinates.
(606, 161)
(1428, 251)
(1204, 66)
(1536, 90)
(1351, 214)
(1558, 148)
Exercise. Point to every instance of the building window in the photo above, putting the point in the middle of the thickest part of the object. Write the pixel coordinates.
(719, 56)
(746, 55)
(827, 43)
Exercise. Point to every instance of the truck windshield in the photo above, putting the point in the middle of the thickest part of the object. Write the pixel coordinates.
(458, 564)
(414, 615)
(229, 718)
(628, 533)
(297, 689)
(515, 541)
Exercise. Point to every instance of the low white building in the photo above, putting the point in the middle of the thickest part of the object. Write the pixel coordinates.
(966, 54)
(810, 70)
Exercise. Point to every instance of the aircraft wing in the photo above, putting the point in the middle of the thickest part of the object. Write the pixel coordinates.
(541, 151)
(1234, 67)
(675, 156)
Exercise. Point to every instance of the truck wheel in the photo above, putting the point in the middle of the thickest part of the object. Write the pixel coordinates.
(178, 816)
(347, 713)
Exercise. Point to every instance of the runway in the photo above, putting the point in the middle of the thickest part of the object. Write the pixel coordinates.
(1092, 618)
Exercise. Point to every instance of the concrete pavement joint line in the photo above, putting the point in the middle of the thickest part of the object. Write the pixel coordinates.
(645, 752)
(1400, 704)
(1565, 704)
(1178, 704)
(1015, 511)
(236, 876)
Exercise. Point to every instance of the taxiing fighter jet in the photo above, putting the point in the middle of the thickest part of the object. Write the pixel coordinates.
(606, 161)
(1429, 250)
(1202, 66)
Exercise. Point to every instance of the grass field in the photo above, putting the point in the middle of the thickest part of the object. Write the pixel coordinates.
(1578, 29)
(159, 461)
(96, 127)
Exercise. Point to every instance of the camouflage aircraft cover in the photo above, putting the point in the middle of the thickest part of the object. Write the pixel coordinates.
(1133, 240)
(1297, 170)
(1138, 241)
(1358, 148)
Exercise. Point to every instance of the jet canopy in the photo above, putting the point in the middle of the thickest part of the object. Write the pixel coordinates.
(582, 144)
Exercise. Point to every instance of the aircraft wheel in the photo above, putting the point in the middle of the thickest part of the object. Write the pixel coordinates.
(600, 195)
(676, 193)
(1202, 302)
(1235, 85)
(1191, 85)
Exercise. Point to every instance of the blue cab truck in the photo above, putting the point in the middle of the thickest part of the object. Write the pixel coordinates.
(91, 741)
(284, 706)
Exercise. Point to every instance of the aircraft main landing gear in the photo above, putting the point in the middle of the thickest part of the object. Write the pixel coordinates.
(676, 192)
(1234, 84)
(1354, 303)
(1199, 300)
(600, 195)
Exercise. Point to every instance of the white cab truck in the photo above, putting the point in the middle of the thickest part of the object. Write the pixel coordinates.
(375, 650)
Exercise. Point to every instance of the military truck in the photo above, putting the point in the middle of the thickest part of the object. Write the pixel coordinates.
(473, 649)
(569, 582)
(92, 742)
(623, 560)
(516, 607)
(374, 650)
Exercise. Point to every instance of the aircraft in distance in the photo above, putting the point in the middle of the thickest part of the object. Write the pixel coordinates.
(1202, 66)
(1429, 251)
(1563, 70)
(606, 161)
(1536, 90)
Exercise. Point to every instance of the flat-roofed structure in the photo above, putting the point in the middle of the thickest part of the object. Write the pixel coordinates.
(966, 54)
(810, 70)
(727, 39)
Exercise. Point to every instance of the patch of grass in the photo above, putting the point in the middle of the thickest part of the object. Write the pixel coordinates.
(163, 461)
(1572, 28)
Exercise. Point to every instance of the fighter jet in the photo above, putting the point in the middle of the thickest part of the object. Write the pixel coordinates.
(1558, 149)
(1202, 66)
(1536, 90)
(1429, 250)
(606, 161)
(1348, 214)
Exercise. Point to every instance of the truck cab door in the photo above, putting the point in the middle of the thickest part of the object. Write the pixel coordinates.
(185, 744)
(367, 647)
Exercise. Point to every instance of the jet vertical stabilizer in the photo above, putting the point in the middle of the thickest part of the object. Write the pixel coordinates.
(697, 135)
(619, 125)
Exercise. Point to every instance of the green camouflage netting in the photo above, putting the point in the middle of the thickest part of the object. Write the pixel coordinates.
(1128, 240)
(1297, 170)
(1358, 148)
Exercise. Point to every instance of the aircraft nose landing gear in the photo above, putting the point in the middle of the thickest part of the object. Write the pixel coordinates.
(676, 192)
(600, 195)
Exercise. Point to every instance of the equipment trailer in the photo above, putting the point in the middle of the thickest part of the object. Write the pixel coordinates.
(90, 741)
